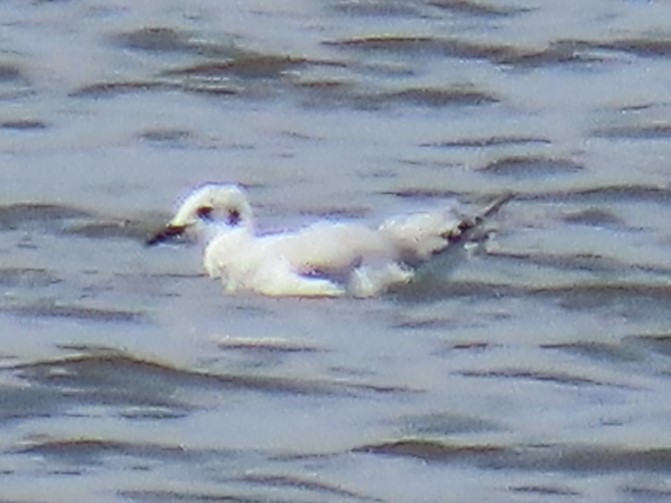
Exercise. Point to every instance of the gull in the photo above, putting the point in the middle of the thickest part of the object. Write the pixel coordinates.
(325, 259)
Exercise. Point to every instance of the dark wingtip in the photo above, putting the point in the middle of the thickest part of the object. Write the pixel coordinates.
(465, 228)
(497, 203)
(170, 231)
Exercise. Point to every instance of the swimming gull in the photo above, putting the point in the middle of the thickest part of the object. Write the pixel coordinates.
(325, 259)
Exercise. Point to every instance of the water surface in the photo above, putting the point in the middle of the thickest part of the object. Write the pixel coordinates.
(533, 367)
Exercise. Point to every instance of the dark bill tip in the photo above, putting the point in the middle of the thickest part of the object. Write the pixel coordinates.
(169, 232)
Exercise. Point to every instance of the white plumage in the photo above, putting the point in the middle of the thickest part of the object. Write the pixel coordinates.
(326, 259)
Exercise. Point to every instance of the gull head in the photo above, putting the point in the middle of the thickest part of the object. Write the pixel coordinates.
(220, 205)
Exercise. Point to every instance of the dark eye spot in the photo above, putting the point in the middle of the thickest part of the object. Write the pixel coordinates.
(233, 217)
(205, 212)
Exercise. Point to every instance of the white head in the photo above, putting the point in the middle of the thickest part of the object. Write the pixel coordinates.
(221, 204)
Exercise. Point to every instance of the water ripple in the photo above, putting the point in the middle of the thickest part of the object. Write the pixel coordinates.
(559, 457)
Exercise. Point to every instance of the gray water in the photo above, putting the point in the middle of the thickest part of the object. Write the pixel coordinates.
(535, 367)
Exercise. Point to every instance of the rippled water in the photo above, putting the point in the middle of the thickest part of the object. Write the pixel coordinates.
(535, 368)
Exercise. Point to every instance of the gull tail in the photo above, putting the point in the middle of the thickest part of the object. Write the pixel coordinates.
(466, 227)
(420, 236)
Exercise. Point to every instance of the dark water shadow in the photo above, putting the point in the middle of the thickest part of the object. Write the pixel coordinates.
(121, 228)
(23, 125)
(438, 287)
(51, 309)
(492, 141)
(10, 72)
(38, 215)
(642, 47)
(523, 167)
(168, 496)
(583, 459)
(92, 451)
(659, 344)
(604, 194)
(167, 137)
(14, 83)
(28, 277)
(99, 90)
(595, 217)
(479, 9)
(555, 53)
(424, 10)
(225, 70)
(543, 491)
(559, 378)
(616, 353)
(246, 66)
(159, 39)
(341, 95)
(303, 485)
(110, 377)
(445, 424)
(373, 8)
(635, 132)
(434, 97)
(586, 262)
(639, 492)
(20, 403)
(634, 300)
(644, 354)
(68, 220)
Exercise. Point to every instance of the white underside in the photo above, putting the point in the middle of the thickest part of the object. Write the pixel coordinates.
(327, 259)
